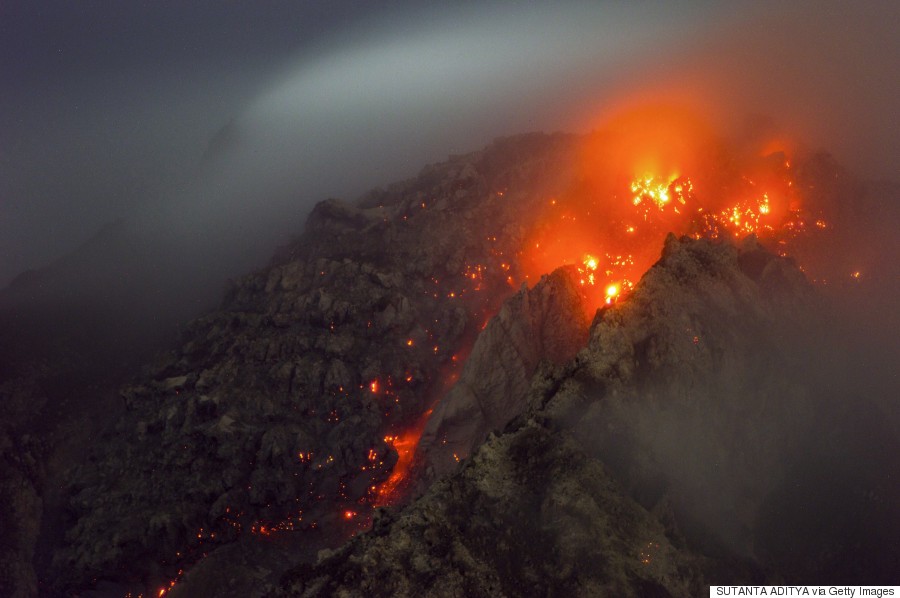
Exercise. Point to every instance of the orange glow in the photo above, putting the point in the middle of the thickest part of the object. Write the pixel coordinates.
(405, 445)
(652, 189)
(637, 188)
(653, 138)
(612, 292)
(647, 173)
(652, 171)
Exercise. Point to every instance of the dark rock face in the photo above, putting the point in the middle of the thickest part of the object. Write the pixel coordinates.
(529, 515)
(683, 391)
(275, 409)
(547, 322)
(21, 483)
(698, 402)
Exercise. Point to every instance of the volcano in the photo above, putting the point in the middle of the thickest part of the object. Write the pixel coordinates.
(562, 364)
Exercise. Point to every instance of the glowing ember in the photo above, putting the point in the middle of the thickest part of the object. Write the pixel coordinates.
(649, 188)
(405, 445)
(590, 266)
(639, 183)
(612, 291)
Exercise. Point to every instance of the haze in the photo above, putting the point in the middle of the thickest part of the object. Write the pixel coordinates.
(212, 130)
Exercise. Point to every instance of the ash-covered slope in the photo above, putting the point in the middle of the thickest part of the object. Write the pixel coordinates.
(672, 429)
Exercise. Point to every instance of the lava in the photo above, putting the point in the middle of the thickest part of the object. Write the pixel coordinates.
(389, 491)
(649, 173)
(653, 173)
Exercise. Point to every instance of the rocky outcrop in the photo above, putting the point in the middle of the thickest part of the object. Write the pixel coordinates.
(690, 385)
(676, 411)
(547, 322)
(274, 411)
(530, 514)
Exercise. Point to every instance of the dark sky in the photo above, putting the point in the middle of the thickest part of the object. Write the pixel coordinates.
(106, 104)
(107, 108)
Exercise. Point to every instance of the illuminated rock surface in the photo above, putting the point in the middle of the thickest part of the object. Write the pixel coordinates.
(536, 510)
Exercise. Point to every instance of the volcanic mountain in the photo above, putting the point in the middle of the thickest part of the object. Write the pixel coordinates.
(483, 365)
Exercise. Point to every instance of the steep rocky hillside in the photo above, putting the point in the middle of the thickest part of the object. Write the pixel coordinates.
(418, 362)
(536, 510)
(282, 409)
(666, 438)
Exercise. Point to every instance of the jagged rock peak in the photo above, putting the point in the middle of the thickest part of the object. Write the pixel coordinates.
(570, 498)
(546, 322)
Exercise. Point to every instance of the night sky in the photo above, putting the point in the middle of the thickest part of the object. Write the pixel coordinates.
(108, 109)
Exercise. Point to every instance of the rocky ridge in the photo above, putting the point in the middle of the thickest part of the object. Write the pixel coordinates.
(545, 323)
(537, 511)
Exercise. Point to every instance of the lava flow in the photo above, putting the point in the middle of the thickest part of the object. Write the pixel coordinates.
(405, 445)
(651, 172)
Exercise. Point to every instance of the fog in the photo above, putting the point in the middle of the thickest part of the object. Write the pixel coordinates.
(210, 132)
(360, 98)
(785, 455)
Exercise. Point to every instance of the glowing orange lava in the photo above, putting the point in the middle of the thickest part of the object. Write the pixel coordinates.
(405, 445)
(652, 172)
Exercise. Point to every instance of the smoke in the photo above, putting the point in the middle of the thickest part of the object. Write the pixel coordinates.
(820, 70)
(375, 99)
(384, 98)
(212, 162)
(785, 452)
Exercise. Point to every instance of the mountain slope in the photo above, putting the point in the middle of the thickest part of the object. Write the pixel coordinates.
(297, 405)
(536, 510)
(277, 409)
(689, 420)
